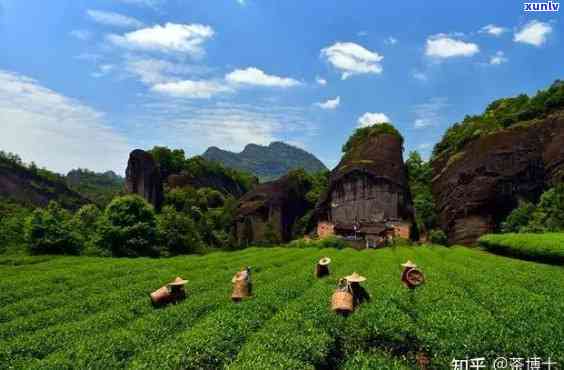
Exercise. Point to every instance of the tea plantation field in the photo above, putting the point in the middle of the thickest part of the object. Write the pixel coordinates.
(80, 312)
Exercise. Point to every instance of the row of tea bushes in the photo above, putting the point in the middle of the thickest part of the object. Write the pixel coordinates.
(472, 304)
(217, 338)
(84, 297)
(128, 307)
(304, 333)
(547, 247)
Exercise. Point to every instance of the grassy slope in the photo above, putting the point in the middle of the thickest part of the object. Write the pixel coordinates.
(74, 312)
(537, 247)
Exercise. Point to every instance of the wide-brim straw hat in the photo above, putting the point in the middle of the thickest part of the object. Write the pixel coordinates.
(355, 278)
(325, 261)
(409, 264)
(178, 281)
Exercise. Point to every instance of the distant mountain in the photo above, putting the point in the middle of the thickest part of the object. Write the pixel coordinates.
(267, 162)
(100, 188)
(31, 186)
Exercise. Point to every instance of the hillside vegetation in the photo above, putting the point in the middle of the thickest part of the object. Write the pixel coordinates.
(100, 188)
(499, 115)
(267, 162)
(30, 186)
(80, 312)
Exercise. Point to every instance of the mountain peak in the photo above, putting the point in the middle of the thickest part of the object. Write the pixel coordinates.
(267, 162)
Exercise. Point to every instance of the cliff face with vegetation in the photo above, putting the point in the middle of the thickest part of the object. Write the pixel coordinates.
(31, 186)
(369, 186)
(268, 212)
(267, 162)
(486, 165)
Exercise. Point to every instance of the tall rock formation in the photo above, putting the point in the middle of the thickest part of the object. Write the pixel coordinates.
(368, 194)
(269, 211)
(143, 177)
(477, 187)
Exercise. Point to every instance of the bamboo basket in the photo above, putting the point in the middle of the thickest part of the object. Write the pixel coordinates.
(412, 278)
(240, 290)
(342, 299)
(321, 270)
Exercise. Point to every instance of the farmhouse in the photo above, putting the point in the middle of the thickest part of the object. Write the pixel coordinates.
(368, 198)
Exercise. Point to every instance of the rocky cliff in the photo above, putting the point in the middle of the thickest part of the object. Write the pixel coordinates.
(267, 162)
(476, 187)
(30, 187)
(369, 186)
(269, 211)
(143, 177)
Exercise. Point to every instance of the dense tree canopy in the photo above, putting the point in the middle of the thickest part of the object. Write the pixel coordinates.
(501, 114)
(363, 133)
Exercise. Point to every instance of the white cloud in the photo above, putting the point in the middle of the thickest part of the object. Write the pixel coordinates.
(81, 34)
(55, 131)
(155, 4)
(256, 77)
(330, 104)
(391, 41)
(418, 75)
(196, 126)
(443, 46)
(498, 58)
(352, 59)
(429, 114)
(192, 89)
(533, 33)
(170, 38)
(369, 119)
(103, 70)
(493, 30)
(113, 19)
(153, 71)
(320, 81)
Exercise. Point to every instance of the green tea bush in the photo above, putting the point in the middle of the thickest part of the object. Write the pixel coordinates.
(548, 247)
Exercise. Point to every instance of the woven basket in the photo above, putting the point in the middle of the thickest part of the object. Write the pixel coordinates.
(321, 270)
(240, 290)
(415, 277)
(342, 299)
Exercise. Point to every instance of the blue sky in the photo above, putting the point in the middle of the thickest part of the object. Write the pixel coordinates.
(84, 82)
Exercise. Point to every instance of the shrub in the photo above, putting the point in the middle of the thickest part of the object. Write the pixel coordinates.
(178, 232)
(50, 231)
(549, 214)
(519, 218)
(438, 236)
(128, 227)
(12, 221)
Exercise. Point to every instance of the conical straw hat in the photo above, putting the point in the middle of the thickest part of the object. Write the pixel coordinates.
(325, 261)
(409, 264)
(178, 281)
(355, 278)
